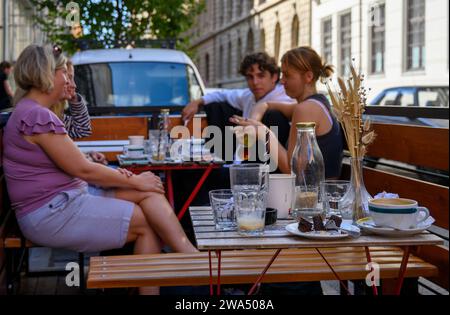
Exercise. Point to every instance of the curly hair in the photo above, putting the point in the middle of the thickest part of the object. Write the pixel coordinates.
(263, 60)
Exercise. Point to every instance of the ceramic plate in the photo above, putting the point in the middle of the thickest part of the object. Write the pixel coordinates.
(368, 225)
(317, 235)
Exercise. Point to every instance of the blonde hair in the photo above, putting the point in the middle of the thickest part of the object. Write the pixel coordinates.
(35, 68)
(305, 59)
(60, 62)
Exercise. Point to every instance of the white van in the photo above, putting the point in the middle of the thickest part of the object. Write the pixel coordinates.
(136, 80)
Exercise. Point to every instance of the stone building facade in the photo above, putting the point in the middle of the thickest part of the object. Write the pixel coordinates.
(229, 29)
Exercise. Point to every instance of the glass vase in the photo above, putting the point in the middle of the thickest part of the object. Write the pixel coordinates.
(355, 203)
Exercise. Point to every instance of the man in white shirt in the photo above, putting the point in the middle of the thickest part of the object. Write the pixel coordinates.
(262, 75)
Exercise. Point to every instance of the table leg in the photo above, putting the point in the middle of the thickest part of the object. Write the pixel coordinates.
(211, 291)
(219, 258)
(169, 187)
(194, 192)
(334, 272)
(264, 272)
(401, 275)
(369, 260)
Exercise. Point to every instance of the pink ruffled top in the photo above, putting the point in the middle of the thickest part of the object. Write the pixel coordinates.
(32, 178)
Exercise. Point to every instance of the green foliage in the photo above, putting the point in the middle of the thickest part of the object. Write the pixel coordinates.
(118, 23)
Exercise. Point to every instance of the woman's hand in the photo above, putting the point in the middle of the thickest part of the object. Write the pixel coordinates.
(258, 111)
(148, 181)
(248, 130)
(240, 121)
(98, 157)
(125, 172)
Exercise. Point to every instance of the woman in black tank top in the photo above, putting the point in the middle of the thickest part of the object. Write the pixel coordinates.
(301, 69)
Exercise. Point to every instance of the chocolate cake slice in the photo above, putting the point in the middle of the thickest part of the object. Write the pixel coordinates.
(304, 225)
(337, 220)
(318, 223)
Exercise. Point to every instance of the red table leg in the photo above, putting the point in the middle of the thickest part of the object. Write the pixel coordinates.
(401, 275)
(211, 291)
(169, 187)
(334, 272)
(219, 258)
(194, 192)
(369, 260)
(258, 281)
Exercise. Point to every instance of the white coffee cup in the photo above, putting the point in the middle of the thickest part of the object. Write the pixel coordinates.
(281, 192)
(399, 213)
(136, 140)
(134, 151)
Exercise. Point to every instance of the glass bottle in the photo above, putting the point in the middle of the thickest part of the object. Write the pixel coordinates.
(163, 134)
(308, 166)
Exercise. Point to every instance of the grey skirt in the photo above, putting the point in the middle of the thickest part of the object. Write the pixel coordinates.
(83, 220)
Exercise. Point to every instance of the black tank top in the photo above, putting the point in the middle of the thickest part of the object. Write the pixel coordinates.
(331, 144)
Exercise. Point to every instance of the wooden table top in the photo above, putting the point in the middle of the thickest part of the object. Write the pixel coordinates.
(276, 236)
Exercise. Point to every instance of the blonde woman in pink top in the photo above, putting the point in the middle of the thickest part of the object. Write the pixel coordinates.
(47, 177)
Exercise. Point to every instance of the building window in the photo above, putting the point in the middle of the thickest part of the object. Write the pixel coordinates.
(327, 41)
(295, 32)
(221, 62)
(249, 5)
(262, 40)
(415, 34)
(250, 42)
(238, 54)
(277, 42)
(378, 42)
(221, 10)
(240, 6)
(346, 43)
(229, 60)
(230, 10)
(207, 68)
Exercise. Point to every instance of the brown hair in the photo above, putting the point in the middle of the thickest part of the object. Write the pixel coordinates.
(263, 60)
(305, 59)
(5, 65)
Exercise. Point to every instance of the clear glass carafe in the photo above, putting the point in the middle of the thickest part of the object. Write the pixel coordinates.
(308, 166)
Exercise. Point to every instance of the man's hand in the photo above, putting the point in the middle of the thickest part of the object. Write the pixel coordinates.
(190, 110)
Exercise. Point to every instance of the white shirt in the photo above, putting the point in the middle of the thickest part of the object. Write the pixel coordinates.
(244, 100)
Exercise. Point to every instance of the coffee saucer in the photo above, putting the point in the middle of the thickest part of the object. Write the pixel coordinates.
(367, 225)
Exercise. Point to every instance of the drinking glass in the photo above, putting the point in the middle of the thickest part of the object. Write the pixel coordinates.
(250, 185)
(222, 205)
(333, 193)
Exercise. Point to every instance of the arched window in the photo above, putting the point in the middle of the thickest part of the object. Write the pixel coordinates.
(207, 68)
(295, 32)
(277, 42)
(229, 60)
(262, 40)
(240, 7)
(250, 42)
(249, 5)
(238, 54)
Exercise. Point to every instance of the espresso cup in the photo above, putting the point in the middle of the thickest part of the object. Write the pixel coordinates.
(399, 213)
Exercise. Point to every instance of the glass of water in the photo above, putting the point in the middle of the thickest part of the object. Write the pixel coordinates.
(222, 205)
(333, 194)
(250, 186)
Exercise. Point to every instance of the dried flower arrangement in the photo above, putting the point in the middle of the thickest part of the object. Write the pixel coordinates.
(349, 106)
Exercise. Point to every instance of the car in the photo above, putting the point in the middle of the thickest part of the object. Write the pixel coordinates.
(422, 96)
(136, 80)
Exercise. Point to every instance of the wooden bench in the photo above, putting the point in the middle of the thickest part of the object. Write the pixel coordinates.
(244, 266)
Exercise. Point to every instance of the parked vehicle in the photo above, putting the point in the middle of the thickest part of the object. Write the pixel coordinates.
(423, 96)
(147, 79)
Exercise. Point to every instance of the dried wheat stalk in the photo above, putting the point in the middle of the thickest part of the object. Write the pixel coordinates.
(348, 106)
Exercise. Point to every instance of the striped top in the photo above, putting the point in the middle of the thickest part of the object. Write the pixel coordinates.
(77, 121)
